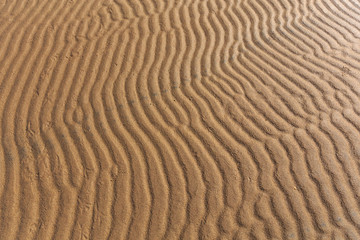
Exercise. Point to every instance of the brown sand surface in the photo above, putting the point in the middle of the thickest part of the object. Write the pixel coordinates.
(180, 119)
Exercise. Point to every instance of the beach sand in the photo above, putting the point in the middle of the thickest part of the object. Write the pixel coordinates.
(180, 119)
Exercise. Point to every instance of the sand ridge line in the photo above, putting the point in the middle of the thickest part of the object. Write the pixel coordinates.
(179, 119)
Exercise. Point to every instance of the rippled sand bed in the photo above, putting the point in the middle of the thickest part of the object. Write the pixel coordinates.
(180, 119)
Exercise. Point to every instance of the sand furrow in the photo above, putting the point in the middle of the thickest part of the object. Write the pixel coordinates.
(22, 153)
(64, 219)
(179, 119)
(159, 185)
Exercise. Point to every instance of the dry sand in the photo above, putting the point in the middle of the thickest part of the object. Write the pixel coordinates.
(180, 119)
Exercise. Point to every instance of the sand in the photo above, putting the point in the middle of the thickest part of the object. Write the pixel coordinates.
(180, 119)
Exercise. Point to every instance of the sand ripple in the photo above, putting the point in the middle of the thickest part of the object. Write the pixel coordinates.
(188, 119)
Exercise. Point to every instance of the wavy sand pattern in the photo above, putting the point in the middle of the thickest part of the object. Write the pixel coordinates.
(175, 119)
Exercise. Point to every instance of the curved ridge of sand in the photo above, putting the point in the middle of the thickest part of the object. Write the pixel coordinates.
(180, 119)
